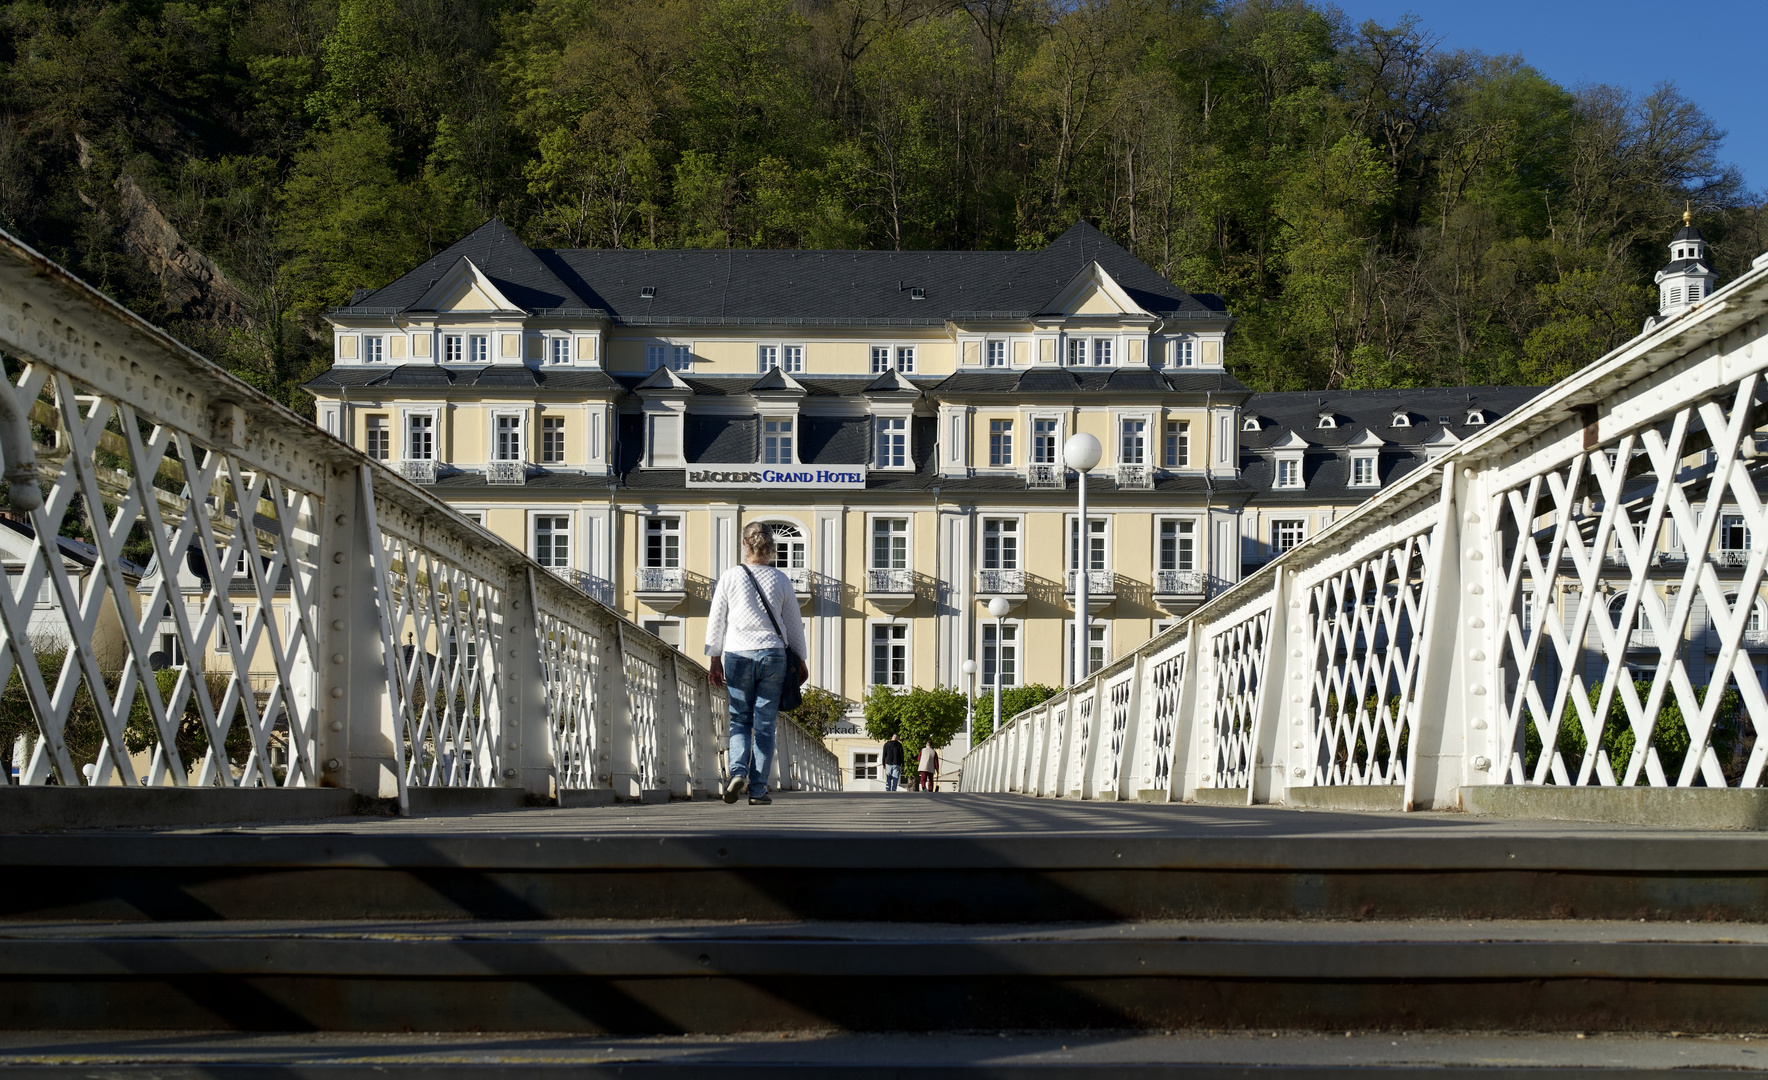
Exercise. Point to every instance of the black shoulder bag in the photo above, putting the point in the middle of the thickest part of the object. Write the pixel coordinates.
(790, 696)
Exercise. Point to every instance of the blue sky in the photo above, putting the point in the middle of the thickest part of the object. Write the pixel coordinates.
(1712, 51)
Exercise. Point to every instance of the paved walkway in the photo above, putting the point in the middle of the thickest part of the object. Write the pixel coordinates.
(958, 814)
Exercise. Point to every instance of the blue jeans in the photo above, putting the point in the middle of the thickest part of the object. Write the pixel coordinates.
(892, 777)
(754, 681)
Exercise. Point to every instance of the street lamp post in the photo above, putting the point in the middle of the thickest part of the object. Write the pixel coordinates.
(1081, 452)
(998, 607)
(969, 669)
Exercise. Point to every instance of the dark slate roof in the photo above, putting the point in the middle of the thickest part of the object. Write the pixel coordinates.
(78, 551)
(835, 440)
(741, 287)
(1358, 411)
(527, 280)
(498, 376)
(1680, 266)
(736, 385)
(1052, 380)
(1326, 476)
(721, 439)
(1688, 232)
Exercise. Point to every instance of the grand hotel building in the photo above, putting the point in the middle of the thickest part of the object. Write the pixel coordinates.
(898, 416)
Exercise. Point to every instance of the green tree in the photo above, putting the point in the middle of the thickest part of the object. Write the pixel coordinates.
(919, 717)
(1013, 702)
(820, 711)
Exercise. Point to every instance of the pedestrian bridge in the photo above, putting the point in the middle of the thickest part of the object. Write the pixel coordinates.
(1571, 600)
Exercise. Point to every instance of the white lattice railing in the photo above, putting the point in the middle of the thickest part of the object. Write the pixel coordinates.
(234, 598)
(1573, 597)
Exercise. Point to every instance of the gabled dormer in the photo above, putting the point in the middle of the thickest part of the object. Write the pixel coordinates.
(1440, 443)
(466, 290)
(1365, 460)
(1093, 292)
(664, 395)
(1286, 465)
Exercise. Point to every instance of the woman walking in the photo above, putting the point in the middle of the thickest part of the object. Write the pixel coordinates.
(754, 626)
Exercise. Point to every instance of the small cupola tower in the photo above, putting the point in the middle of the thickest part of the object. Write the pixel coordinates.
(1687, 279)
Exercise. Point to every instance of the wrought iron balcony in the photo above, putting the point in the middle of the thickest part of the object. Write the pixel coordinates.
(659, 579)
(506, 472)
(1135, 477)
(889, 581)
(1737, 557)
(1178, 582)
(419, 472)
(1000, 581)
(1099, 582)
(799, 577)
(1046, 475)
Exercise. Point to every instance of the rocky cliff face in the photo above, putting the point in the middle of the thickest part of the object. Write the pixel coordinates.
(194, 286)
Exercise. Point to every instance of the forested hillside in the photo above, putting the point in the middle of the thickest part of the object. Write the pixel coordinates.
(1377, 210)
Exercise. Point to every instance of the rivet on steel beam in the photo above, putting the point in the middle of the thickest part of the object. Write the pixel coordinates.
(337, 692)
(337, 725)
(337, 556)
(341, 519)
(1475, 589)
(1476, 655)
(337, 658)
(1475, 556)
(1476, 622)
(337, 592)
(1479, 724)
(1300, 772)
(1467, 473)
(1479, 691)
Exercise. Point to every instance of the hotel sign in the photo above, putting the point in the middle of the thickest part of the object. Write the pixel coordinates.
(778, 478)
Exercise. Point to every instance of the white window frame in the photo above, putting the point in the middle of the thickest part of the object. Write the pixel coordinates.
(908, 542)
(995, 353)
(558, 350)
(791, 437)
(1006, 461)
(374, 348)
(1018, 533)
(905, 359)
(405, 418)
(1070, 663)
(1275, 522)
(908, 450)
(570, 531)
(478, 348)
(495, 442)
(865, 766)
(454, 348)
(1374, 471)
(1070, 523)
(1074, 351)
(787, 356)
(1032, 420)
(1286, 473)
(1160, 524)
(1182, 353)
(656, 524)
(908, 651)
(1124, 420)
(553, 423)
(892, 357)
(386, 432)
(1014, 633)
(668, 354)
(1166, 436)
(1104, 352)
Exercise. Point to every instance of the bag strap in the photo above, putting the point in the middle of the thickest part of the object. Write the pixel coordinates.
(765, 606)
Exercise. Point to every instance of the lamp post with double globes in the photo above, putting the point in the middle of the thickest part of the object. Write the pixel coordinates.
(969, 669)
(1080, 453)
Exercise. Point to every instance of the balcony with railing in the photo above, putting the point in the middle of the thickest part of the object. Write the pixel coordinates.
(1101, 588)
(506, 473)
(660, 588)
(1135, 477)
(1049, 476)
(1008, 583)
(891, 590)
(1737, 558)
(419, 471)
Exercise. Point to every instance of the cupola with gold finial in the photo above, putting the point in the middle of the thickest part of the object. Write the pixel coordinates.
(1688, 278)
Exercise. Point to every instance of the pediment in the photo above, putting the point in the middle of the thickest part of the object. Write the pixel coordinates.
(1093, 292)
(465, 288)
(777, 381)
(664, 379)
(1291, 442)
(1445, 437)
(1367, 440)
(891, 381)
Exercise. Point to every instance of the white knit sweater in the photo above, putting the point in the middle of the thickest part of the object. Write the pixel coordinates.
(739, 623)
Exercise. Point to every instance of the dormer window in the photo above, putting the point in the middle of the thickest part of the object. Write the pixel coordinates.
(917, 293)
(1249, 424)
(1288, 473)
(1401, 418)
(647, 292)
(1476, 417)
(1363, 471)
(1327, 420)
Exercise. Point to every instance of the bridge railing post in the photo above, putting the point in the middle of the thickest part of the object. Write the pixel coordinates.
(359, 741)
(527, 720)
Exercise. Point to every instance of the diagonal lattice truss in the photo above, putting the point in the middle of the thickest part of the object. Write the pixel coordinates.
(1366, 623)
(1238, 653)
(440, 624)
(1117, 705)
(1083, 720)
(1629, 604)
(1167, 687)
(644, 684)
(569, 658)
(158, 622)
(1052, 764)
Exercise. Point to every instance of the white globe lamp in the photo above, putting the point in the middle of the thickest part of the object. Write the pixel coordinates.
(998, 607)
(1082, 452)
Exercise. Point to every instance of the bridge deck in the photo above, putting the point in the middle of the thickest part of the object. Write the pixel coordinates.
(876, 814)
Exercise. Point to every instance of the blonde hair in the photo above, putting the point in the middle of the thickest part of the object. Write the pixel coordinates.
(758, 540)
